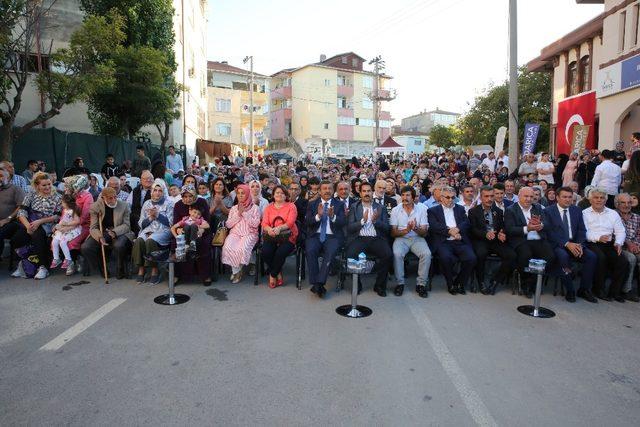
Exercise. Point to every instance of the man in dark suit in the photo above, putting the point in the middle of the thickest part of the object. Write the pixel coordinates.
(525, 232)
(380, 196)
(449, 231)
(568, 235)
(498, 197)
(487, 237)
(138, 196)
(367, 230)
(325, 221)
(342, 193)
(301, 206)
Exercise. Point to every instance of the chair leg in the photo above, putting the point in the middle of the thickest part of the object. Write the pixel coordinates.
(258, 263)
(215, 267)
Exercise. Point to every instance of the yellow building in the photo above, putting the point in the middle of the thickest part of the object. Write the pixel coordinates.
(329, 104)
(230, 106)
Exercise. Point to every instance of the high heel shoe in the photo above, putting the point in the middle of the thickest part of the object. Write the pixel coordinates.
(280, 280)
(273, 282)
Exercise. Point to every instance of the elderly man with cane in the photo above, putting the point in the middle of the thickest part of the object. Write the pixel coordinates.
(109, 229)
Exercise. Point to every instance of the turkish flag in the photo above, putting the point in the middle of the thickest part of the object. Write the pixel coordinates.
(578, 110)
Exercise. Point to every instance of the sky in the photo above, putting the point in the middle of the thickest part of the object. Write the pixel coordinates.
(441, 53)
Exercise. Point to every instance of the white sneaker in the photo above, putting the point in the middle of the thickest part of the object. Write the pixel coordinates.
(42, 273)
(19, 272)
(71, 269)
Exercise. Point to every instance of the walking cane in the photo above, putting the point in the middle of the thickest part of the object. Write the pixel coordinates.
(104, 258)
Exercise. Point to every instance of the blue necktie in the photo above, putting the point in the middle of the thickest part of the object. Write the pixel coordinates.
(323, 223)
(565, 223)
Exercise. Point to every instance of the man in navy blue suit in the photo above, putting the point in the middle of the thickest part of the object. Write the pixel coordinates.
(567, 235)
(449, 235)
(325, 221)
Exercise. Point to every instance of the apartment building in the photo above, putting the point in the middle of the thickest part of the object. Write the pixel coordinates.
(596, 77)
(426, 120)
(329, 104)
(229, 106)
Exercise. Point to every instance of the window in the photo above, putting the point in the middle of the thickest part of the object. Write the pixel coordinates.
(344, 59)
(623, 31)
(634, 24)
(342, 102)
(326, 125)
(572, 79)
(354, 62)
(223, 105)
(327, 82)
(585, 74)
(223, 129)
(240, 86)
(367, 104)
(346, 121)
(367, 82)
(343, 81)
(366, 122)
(417, 142)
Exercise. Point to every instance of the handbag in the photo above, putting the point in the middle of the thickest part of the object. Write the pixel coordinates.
(220, 236)
(281, 237)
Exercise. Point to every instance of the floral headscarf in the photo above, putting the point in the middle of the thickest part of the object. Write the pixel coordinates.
(76, 183)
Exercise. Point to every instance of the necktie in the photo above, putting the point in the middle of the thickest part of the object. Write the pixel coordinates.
(323, 223)
(565, 222)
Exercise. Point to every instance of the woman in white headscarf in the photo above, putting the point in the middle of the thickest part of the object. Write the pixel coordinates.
(156, 217)
(256, 196)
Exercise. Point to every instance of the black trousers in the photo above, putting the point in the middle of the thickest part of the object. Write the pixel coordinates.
(8, 230)
(532, 249)
(38, 239)
(484, 248)
(190, 233)
(608, 262)
(377, 247)
(92, 253)
(451, 251)
(275, 255)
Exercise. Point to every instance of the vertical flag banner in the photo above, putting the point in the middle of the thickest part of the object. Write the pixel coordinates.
(575, 111)
(531, 131)
(500, 135)
(580, 137)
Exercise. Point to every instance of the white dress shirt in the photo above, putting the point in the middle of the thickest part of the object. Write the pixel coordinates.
(332, 219)
(449, 218)
(561, 210)
(607, 176)
(466, 207)
(491, 164)
(531, 235)
(604, 223)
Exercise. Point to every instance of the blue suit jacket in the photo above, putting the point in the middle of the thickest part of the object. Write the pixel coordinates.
(555, 228)
(438, 230)
(337, 226)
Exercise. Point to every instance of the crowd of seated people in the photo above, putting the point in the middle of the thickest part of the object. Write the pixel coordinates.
(451, 212)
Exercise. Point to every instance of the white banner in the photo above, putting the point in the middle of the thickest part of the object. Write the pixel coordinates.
(500, 135)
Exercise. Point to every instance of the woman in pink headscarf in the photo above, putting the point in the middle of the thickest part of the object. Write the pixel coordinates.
(77, 186)
(243, 223)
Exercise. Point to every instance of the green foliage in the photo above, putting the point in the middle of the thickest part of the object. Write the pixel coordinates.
(491, 110)
(444, 136)
(138, 94)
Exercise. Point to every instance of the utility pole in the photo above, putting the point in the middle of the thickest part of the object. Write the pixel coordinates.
(377, 96)
(250, 59)
(513, 85)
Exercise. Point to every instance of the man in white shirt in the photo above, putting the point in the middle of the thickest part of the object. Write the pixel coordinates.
(605, 237)
(490, 162)
(528, 167)
(545, 169)
(502, 157)
(468, 201)
(608, 176)
(409, 224)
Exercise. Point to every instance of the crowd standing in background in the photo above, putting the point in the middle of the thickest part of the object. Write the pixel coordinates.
(450, 210)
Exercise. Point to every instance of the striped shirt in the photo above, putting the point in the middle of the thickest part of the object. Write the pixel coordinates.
(368, 229)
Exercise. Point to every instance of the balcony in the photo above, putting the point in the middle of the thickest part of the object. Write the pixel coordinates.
(346, 91)
(281, 92)
(345, 112)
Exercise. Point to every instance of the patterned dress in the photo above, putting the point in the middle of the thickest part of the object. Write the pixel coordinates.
(243, 236)
(67, 236)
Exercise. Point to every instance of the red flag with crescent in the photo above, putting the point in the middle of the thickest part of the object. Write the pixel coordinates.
(577, 110)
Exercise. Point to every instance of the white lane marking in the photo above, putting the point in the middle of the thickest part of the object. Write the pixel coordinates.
(82, 325)
(471, 399)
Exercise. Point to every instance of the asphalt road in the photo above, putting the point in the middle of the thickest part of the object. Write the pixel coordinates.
(95, 354)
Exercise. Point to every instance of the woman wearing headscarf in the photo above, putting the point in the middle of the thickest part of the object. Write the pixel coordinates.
(155, 222)
(256, 195)
(38, 213)
(77, 186)
(243, 223)
(202, 264)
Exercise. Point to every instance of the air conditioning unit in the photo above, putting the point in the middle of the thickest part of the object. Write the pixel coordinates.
(192, 72)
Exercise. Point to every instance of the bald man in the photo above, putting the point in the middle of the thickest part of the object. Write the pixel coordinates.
(525, 230)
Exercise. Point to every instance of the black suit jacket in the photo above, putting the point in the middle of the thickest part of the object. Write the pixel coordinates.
(438, 230)
(514, 223)
(136, 207)
(478, 223)
(389, 203)
(355, 216)
(301, 206)
(555, 227)
(337, 226)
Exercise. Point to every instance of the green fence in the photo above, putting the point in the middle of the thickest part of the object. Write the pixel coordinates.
(59, 148)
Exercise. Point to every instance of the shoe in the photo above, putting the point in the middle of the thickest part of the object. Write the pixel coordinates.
(460, 290)
(120, 274)
(19, 272)
(42, 273)
(252, 269)
(422, 291)
(493, 284)
(481, 286)
(398, 290)
(452, 290)
(56, 262)
(205, 283)
(237, 279)
(70, 269)
(381, 291)
(154, 280)
(78, 266)
(587, 295)
(619, 298)
(321, 291)
(630, 297)
(140, 279)
(571, 296)
(604, 297)
(273, 282)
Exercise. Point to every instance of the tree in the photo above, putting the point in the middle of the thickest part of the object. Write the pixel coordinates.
(443, 136)
(74, 74)
(490, 110)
